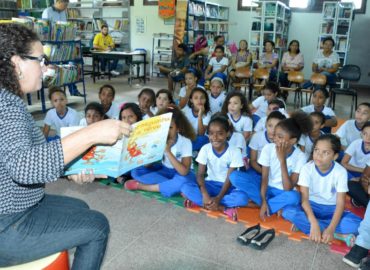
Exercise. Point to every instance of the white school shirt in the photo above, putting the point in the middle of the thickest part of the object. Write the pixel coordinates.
(71, 118)
(348, 132)
(323, 187)
(113, 111)
(216, 103)
(182, 92)
(193, 119)
(261, 124)
(154, 110)
(218, 164)
(326, 61)
(237, 140)
(244, 123)
(326, 110)
(261, 104)
(216, 65)
(359, 156)
(258, 141)
(268, 158)
(181, 149)
(307, 142)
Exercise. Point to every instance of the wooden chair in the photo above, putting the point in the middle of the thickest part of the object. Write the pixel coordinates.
(317, 79)
(295, 78)
(243, 74)
(260, 75)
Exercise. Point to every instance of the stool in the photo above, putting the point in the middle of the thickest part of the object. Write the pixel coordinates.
(317, 79)
(295, 78)
(261, 75)
(57, 261)
(244, 75)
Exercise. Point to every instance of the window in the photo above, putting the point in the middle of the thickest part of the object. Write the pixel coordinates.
(357, 3)
(299, 3)
(246, 4)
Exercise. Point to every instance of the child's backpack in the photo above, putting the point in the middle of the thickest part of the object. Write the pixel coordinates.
(200, 43)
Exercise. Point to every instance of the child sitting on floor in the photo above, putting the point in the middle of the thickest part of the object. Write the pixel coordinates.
(191, 79)
(217, 95)
(323, 186)
(219, 159)
(351, 129)
(106, 97)
(94, 112)
(146, 99)
(274, 105)
(60, 115)
(163, 99)
(175, 170)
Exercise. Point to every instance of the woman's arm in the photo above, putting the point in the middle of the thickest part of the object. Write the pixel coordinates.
(333, 69)
(253, 161)
(345, 164)
(315, 232)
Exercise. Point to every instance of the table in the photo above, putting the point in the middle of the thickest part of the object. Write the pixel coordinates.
(114, 55)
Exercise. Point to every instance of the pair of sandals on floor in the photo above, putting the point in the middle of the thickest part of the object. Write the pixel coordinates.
(253, 238)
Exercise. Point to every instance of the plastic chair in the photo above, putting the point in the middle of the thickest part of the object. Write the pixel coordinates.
(317, 79)
(243, 74)
(349, 73)
(295, 78)
(260, 75)
(57, 261)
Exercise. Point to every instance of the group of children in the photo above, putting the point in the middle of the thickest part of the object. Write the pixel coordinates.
(253, 154)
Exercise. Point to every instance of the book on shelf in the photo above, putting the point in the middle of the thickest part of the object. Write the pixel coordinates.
(145, 145)
(62, 31)
(329, 11)
(255, 39)
(73, 13)
(65, 74)
(191, 37)
(42, 28)
(62, 52)
(342, 44)
(327, 28)
(99, 23)
(27, 21)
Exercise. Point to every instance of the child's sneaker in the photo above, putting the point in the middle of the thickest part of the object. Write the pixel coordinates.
(355, 256)
(189, 204)
(131, 185)
(232, 213)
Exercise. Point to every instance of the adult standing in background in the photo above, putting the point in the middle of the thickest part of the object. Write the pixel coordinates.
(58, 13)
(34, 224)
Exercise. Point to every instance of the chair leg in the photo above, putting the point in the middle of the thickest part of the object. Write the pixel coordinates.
(353, 101)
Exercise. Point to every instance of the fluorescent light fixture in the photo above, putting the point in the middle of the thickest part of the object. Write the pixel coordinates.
(299, 3)
(356, 3)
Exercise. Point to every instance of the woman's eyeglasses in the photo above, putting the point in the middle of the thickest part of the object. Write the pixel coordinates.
(43, 59)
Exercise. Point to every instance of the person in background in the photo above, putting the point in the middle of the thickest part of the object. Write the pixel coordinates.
(34, 224)
(94, 112)
(146, 100)
(107, 94)
(104, 42)
(243, 58)
(55, 13)
(269, 59)
(210, 50)
(217, 94)
(191, 81)
(176, 72)
(217, 64)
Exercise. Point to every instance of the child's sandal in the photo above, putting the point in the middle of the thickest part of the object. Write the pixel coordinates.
(232, 213)
(349, 239)
(131, 185)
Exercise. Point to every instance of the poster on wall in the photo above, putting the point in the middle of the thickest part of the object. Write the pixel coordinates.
(180, 22)
(140, 25)
(166, 8)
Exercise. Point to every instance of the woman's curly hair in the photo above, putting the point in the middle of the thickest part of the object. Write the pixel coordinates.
(15, 39)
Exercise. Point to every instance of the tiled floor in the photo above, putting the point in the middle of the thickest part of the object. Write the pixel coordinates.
(146, 234)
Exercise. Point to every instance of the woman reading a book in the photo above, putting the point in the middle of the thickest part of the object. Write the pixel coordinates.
(34, 224)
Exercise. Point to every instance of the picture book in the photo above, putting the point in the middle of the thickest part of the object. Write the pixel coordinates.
(146, 144)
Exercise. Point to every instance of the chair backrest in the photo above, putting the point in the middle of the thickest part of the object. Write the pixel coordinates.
(261, 74)
(243, 72)
(318, 78)
(350, 73)
(296, 76)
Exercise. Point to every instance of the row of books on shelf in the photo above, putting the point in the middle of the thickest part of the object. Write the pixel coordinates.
(280, 41)
(196, 9)
(8, 4)
(62, 52)
(342, 28)
(26, 4)
(65, 74)
(73, 13)
(61, 31)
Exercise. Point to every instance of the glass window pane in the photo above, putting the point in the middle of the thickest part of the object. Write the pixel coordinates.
(357, 3)
(299, 3)
(248, 3)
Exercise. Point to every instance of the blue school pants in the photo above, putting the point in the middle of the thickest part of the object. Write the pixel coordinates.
(250, 183)
(352, 174)
(326, 130)
(255, 119)
(363, 238)
(169, 181)
(199, 142)
(232, 198)
(324, 213)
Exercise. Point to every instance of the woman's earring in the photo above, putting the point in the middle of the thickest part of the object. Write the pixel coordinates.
(20, 75)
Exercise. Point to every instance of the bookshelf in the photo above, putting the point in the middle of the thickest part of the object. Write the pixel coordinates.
(8, 9)
(161, 51)
(89, 15)
(33, 8)
(206, 19)
(336, 23)
(270, 21)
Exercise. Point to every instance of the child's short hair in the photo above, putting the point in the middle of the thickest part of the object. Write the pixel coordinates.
(332, 139)
(278, 102)
(367, 124)
(243, 100)
(168, 93)
(323, 90)
(298, 124)
(193, 71)
(149, 92)
(220, 47)
(55, 89)
(134, 108)
(206, 105)
(275, 115)
(222, 120)
(95, 106)
(367, 104)
(181, 121)
(273, 87)
(109, 86)
(320, 115)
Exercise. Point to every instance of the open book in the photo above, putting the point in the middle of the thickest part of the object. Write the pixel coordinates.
(145, 145)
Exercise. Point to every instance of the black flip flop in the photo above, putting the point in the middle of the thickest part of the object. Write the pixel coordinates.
(246, 237)
(261, 241)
